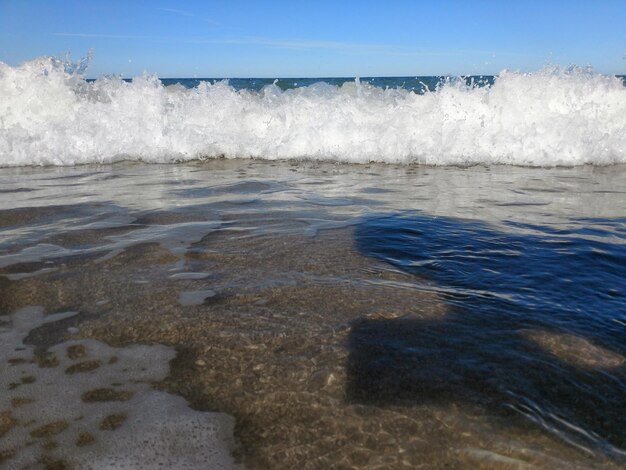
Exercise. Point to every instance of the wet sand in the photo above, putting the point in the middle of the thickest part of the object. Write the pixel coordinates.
(260, 309)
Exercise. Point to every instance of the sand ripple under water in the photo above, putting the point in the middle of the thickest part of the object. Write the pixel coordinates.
(271, 284)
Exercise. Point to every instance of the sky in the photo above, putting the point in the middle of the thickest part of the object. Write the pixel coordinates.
(235, 38)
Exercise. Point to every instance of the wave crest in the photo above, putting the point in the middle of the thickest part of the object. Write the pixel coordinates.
(50, 115)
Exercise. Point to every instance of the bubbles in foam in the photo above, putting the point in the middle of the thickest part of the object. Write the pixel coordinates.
(550, 117)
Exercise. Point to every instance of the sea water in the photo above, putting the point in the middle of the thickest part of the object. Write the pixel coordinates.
(421, 271)
(555, 116)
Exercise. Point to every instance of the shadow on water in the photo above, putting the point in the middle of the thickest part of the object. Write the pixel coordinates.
(536, 325)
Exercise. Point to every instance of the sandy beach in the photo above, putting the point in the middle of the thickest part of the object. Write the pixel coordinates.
(265, 307)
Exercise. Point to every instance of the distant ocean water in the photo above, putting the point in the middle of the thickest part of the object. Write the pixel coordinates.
(409, 271)
(555, 116)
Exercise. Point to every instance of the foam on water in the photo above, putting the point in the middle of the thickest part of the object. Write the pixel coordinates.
(50, 115)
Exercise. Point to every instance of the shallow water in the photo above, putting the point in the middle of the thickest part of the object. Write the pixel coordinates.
(367, 316)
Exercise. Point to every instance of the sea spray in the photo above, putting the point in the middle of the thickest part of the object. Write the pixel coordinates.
(51, 115)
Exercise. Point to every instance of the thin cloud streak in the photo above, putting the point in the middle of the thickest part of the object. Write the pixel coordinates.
(344, 46)
(178, 12)
(188, 15)
(252, 41)
(97, 35)
(302, 44)
(292, 43)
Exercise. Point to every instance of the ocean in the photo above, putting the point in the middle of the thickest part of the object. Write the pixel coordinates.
(408, 272)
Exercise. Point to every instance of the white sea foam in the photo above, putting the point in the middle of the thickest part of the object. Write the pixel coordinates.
(50, 115)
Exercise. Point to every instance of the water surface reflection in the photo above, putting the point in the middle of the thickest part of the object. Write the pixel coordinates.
(536, 324)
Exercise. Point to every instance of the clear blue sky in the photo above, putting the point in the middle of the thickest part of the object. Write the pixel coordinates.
(293, 38)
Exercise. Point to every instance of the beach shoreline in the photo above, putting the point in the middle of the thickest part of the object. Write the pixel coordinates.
(259, 279)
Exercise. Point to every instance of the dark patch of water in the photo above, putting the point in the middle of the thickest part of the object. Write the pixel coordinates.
(536, 323)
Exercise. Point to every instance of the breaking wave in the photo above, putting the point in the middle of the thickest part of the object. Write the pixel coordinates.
(51, 115)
